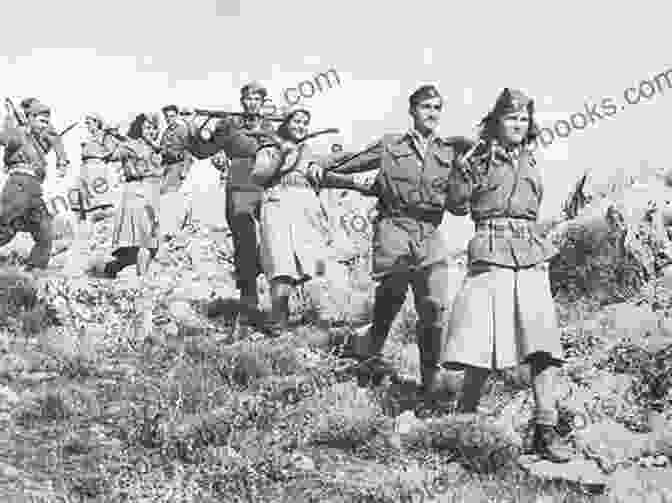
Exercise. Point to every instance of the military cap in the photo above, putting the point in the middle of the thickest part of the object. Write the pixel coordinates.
(25, 103)
(510, 101)
(168, 108)
(35, 107)
(423, 93)
(96, 117)
(253, 87)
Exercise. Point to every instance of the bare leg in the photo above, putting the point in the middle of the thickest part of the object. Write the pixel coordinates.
(281, 289)
(144, 323)
(144, 259)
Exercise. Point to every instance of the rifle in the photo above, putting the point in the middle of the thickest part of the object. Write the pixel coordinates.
(115, 134)
(273, 136)
(67, 129)
(222, 114)
(82, 211)
(20, 119)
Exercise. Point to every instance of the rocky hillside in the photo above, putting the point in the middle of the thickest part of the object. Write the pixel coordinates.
(94, 409)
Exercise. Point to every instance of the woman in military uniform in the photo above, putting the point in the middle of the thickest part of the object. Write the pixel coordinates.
(504, 315)
(135, 235)
(294, 228)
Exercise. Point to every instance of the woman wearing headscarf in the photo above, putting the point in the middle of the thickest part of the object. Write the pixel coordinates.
(135, 235)
(294, 228)
(94, 177)
(504, 314)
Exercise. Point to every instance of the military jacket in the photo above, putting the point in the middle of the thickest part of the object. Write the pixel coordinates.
(503, 192)
(174, 142)
(234, 136)
(26, 151)
(411, 179)
(97, 147)
(139, 160)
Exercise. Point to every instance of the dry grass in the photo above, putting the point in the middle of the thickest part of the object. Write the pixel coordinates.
(195, 419)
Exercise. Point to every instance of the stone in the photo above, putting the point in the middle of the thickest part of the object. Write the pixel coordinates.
(611, 445)
(12, 365)
(632, 321)
(8, 398)
(406, 422)
(580, 471)
(635, 484)
(302, 462)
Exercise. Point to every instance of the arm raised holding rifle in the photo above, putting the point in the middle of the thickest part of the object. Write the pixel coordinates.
(238, 135)
(28, 137)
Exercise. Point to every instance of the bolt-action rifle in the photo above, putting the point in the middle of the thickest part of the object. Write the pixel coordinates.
(222, 114)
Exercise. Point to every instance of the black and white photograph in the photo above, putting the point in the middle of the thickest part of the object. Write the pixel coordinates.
(346, 252)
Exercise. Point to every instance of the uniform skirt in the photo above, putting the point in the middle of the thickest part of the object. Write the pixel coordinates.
(294, 233)
(136, 220)
(98, 183)
(500, 317)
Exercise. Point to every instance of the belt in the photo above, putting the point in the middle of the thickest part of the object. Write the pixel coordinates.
(414, 213)
(140, 178)
(510, 227)
(174, 159)
(21, 171)
(293, 180)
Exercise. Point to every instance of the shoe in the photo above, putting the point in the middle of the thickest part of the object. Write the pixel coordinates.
(547, 444)
(373, 370)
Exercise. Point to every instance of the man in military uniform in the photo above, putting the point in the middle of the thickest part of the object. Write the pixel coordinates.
(27, 141)
(408, 247)
(174, 146)
(236, 137)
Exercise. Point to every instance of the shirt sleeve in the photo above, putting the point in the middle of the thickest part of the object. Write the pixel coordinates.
(459, 189)
(369, 160)
(56, 142)
(267, 162)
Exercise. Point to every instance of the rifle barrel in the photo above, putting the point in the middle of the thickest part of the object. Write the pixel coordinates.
(223, 114)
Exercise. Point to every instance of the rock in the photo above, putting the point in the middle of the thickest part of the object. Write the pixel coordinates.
(38, 377)
(580, 471)
(630, 320)
(12, 365)
(611, 445)
(183, 313)
(650, 485)
(171, 329)
(406, 422)
(9, 471)
(8, 398)
(302, 462)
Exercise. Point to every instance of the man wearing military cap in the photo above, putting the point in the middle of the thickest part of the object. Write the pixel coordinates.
(408, 247)
(236, 137)
(174, 146)
(27, 141)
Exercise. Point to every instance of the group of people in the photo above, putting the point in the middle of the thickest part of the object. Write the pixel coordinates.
(502, 316)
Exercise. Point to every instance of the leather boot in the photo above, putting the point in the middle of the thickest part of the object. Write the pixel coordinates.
(435, 398)
(547, 444)
(373, 370)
